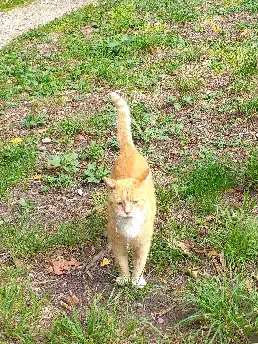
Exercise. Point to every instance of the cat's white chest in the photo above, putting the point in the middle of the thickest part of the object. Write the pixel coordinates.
(130, 226)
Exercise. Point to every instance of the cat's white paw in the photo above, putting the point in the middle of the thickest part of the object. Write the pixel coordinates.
(121, 281)
(140, 282)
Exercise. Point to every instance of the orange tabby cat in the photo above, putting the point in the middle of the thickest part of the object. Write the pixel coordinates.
(131, 201)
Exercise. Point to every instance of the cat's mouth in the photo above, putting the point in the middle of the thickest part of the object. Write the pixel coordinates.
(125, 216)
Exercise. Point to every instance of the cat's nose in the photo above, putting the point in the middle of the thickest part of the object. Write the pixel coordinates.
(127, 209)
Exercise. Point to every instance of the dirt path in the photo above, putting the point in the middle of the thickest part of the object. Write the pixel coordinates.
(23, 19)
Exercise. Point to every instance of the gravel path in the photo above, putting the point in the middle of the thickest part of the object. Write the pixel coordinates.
(22, 19)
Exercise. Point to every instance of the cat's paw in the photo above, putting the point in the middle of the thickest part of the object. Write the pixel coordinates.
(139, 282)
(121, 281)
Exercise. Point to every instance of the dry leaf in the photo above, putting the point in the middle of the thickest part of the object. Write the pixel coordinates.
(213, 253)
(105, 262)
(195, 274)
(80, 137)
(209, 218)
(42, 130)
(16, 140)
(61, 266)
(65, 306)
(17, 262)
(72, 300)
(200, 251)
(222, 261)
(185, 246)
(246, 33)
(249, 285)
(217, 29)
(37, 177)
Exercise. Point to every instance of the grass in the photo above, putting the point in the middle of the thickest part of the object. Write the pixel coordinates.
(23, 240)
(17, 161)
(10, 4)
(206, 182)
(235, 233)
(227, 305)
(189, 72)
(19, 309)
(252, 167)
(103, 326)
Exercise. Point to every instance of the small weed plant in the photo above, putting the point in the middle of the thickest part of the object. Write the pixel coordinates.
(34, 121)
(94, 174)
(65, 166)
(93, 153)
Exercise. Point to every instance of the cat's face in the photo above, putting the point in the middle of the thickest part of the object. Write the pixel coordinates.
(127, 197)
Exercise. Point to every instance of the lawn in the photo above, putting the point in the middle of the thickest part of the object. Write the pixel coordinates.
(7, 5)
(189, 72)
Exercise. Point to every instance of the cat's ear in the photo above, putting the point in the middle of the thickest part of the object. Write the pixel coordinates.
(111, 184)
(144, 176)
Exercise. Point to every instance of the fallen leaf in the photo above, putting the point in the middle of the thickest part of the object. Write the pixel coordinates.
(72, 300)
(17, 262)
(46, 140)
(195, 274)
(202, 231)
(249, 285)
(213, 253)
(42, 130)
(37, 177)
(209, 218)
(218, 266)
(246, 33)
(61, 266)
(84, 165)
(105, 262)
(80, 137)
(217, 29)
(185, 246)
(65, 306)
(222, 261)
(16, 140)
(200, 251)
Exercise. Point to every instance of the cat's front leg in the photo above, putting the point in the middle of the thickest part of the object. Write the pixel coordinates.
(140, 252)
(119, 248)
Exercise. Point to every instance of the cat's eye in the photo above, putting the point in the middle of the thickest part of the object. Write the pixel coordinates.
(119, 203)
(135, 202)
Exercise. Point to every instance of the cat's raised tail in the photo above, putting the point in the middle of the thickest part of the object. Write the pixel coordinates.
(124, 135)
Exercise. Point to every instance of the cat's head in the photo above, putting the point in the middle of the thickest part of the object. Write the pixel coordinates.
(128, 196)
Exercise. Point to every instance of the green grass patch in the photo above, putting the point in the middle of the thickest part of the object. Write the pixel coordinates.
(7, 5)
(17, 162)
(236, 234)
(164, 253)
(103, 326)
(23, 240)
(233, 6)
(252, 167)
(118, 55)
(226, 307)
(19, 310)
(206, 182)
